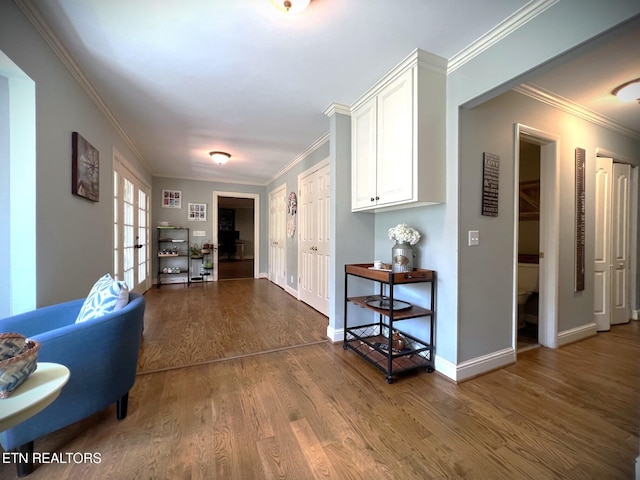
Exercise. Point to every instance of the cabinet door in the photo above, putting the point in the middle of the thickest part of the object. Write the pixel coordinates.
(395, 158)
(363, 151)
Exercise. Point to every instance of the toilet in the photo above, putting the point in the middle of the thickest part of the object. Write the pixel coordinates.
(527, 284)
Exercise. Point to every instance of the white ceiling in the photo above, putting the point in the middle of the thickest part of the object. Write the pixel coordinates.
(185, 78)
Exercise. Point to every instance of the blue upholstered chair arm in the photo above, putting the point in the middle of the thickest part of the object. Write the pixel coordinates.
(102, 355)
(42, 319)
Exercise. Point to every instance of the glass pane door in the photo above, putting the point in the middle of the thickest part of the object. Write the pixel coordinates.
(131, 230)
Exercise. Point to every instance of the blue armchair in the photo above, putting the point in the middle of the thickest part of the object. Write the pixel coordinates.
(102, 355)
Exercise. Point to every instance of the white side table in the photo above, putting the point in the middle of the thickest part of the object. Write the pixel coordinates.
(38, 391)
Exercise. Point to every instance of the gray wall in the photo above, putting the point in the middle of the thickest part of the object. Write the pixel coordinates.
(196, 191)
(74, 236)
(486, 306)
(514, 59)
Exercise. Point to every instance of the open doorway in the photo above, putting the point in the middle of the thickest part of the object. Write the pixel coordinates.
(236, 231)
(539, 150)
(528, 278)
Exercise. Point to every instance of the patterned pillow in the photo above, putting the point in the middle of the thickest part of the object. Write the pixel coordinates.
(107, 295)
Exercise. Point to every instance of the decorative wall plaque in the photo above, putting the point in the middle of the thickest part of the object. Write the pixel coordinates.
(490, 184)
(580, 214)
(85, 168)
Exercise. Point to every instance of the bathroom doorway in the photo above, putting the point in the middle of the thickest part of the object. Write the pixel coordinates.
(536, 310)
(528, 244)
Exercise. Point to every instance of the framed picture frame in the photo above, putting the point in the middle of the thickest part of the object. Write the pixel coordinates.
(171, 198)
(197, 212)
(85, 168)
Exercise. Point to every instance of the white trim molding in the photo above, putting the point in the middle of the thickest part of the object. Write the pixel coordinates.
(336, 335)
(486, 363)
(291, 291)
(578, 333)
(566, 105)
(312, 148)
(499, 32)
(337, 108)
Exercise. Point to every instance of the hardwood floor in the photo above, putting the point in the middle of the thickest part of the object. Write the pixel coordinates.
(317, 411)
(210, 321)
(231, 269)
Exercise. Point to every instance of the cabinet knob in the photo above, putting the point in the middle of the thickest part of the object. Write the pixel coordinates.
(373, 199)
(377, 198)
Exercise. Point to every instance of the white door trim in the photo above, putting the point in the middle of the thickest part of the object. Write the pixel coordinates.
(549, 232)
(120, 163)
(256, 228)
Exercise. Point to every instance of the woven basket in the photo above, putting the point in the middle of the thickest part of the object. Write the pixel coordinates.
(18, 357)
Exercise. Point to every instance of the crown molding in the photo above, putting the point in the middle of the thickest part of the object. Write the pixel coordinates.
(337, 108)
(312, 148)
(499, 32)
(40, 24)
(575, 109)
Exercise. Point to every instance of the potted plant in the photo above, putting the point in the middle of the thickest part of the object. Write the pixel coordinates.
(195, 251)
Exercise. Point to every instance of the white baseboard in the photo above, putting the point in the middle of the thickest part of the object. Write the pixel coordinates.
(336, 335)
(638, 468)
(291, 291)
(486, 363)
(575, 334)
(446, 368)
(476, 366)
(635, 314)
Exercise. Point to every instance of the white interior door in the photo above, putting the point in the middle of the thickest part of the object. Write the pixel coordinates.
(620, 218)
(277, 227)
(612, 266)
(131, 252)
(602, 257)
(314, 239)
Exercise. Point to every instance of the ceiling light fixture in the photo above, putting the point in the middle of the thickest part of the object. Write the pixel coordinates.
(291, 6)
(220, 157)
(628, 92)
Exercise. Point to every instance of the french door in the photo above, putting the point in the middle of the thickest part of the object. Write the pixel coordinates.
(131, 234)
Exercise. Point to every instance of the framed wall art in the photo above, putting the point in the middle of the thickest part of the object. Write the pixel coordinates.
(85, 168)
(171, 198)
(197, 212)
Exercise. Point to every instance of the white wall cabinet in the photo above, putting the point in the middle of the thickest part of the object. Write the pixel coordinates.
(398, 138)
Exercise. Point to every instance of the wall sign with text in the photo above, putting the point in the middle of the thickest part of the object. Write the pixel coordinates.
(490, 184)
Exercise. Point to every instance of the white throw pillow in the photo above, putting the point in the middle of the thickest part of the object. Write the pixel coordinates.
(107, 295)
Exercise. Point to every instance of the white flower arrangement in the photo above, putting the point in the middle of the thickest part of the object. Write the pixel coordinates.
(403, 233)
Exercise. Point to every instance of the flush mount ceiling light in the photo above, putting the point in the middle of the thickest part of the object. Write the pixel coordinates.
(291, 6)
(220, 157)
(628, 92)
